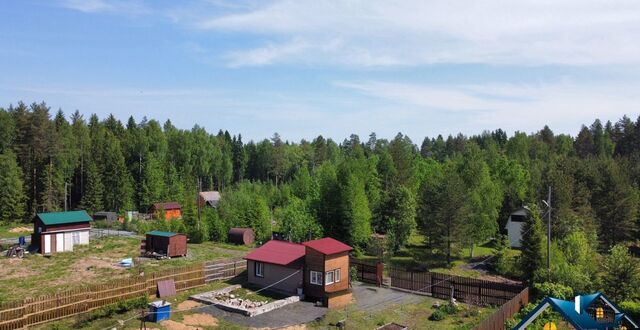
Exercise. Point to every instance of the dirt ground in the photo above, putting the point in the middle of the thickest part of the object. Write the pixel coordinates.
(188, 304)
(88, 268)
(20, 230)
(292, 327)
(200, 319)
(14, 270)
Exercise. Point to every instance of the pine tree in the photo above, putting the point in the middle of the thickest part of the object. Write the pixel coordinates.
(533, 236)
(152, 183)
(12, 194)
(94, 190)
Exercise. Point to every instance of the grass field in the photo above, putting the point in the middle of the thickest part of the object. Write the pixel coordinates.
(415, 316)
(94, 263)
(416, 255)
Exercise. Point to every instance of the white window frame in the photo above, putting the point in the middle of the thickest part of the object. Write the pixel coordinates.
(336, 275)
(328, 277)
(259, 266)
(315, 277)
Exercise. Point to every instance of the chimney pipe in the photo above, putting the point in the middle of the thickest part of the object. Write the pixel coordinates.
(577, 303)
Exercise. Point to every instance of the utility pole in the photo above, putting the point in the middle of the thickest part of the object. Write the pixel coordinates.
(548, 202)
(65, 197)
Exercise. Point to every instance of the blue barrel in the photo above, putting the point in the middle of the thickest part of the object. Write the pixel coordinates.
(159, 310)
(22, 241)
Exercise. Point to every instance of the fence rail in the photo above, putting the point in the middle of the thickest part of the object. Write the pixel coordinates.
(46, 308)
(465, 289)
(496, 320)
(224, 269)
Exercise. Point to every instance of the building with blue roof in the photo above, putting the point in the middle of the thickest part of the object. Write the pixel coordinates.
(592, 312)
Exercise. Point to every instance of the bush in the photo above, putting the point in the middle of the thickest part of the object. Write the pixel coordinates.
(438, 315)
(449, 308)
(632, 308)
(554, 290)
(117, 308)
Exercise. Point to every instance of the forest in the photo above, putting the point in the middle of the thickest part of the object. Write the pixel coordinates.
(456, 191)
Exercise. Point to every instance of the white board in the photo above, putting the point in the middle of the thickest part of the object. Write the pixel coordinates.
(60, 242)
(47, 244)
(68, 241)
(84, 237)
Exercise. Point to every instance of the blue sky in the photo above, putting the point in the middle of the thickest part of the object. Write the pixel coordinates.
(303, 68)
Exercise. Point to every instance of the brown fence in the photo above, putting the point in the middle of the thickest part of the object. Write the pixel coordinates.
(465, 289)
(496, 320)
(32, 311)
(366, 271)
(224, 269)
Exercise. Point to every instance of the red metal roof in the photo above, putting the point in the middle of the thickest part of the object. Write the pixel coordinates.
(166, 206)
(277, 252)
(328, 245)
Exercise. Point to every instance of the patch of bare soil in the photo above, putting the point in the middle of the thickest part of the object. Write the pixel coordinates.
(20, 230)
(200, 319)
(10, 268)
(290, 327)
(173, 325)
(88, 268)
(188, 304)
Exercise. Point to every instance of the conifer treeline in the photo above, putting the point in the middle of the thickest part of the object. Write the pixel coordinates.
(458, 190)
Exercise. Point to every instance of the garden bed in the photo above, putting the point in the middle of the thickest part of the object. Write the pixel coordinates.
(237, 299)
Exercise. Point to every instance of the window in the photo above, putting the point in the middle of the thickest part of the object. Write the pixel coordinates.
(336, 275)
(259, 269)
(315, 277)
(329, 277)
(76, 237)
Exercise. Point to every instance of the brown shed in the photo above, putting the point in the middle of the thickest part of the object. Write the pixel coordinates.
(242, 236)
(167, 243)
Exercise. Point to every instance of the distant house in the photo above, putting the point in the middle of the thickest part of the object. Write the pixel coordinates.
(208, 198)
(319, 267)
(55, 232)
(171, 210)
(241, 236)
(166, 243)
(594, 311)
(514, 226)
(274, 261)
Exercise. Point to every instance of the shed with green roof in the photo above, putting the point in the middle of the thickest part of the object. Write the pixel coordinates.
(165, 243)
(55, 232)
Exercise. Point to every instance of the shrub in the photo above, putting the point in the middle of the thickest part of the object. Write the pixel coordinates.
(109, 310)
(449, 308)
(438, 315)
(632, 308)
(554, 290)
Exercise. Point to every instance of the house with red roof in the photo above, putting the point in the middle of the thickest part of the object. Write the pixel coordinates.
(278, 265)
(320, 268)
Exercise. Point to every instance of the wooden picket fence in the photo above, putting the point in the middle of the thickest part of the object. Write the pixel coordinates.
(47, 308)
(465, 289)
(496, 320)
(224, 269)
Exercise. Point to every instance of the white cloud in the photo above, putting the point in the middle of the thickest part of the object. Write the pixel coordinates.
(417, 32)
(473, 108)
(123, 7)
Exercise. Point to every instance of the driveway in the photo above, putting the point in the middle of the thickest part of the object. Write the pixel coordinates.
(292, 314)
(372, 298)
(367, 297)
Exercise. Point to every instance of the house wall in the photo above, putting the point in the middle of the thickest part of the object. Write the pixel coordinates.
(274, 273)
(56, 242)
(338, 261)
(314, 261)
(172, 214)
(177, 246)
(514, 232)
(340, 299)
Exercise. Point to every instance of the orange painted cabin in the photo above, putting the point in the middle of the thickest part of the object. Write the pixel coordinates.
(171, 210)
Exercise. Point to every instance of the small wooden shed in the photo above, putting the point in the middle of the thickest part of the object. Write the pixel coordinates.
(241, 236)
(166, 243)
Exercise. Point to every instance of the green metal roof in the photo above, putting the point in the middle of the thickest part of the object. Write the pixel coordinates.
(161, 233)
(58, 218)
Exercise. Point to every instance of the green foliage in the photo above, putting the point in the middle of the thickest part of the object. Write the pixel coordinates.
(438, 315)
(622, 274)
(11, 195)
(243, 207)
(631, 307)
(109, 310)
(397, 217)
(296, 222)
(531, 259)
(553, 290)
